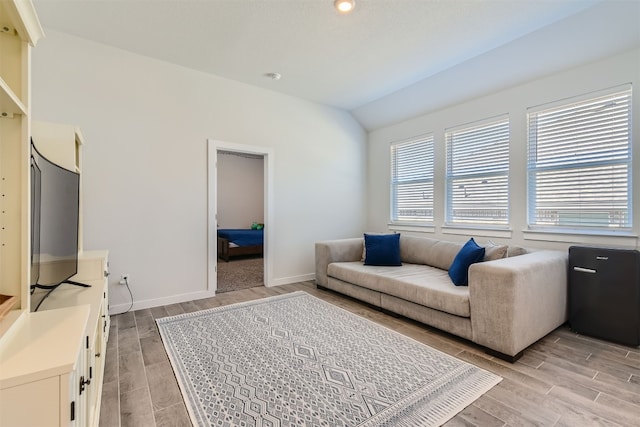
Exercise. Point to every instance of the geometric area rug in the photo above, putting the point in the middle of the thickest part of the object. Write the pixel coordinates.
(295, 360)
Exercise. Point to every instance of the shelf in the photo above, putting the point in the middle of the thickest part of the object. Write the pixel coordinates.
(10, 103)
(23, 16)
(6, 302)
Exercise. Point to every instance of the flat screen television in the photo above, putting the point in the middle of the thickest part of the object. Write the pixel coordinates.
(55, 202)
(36, 194)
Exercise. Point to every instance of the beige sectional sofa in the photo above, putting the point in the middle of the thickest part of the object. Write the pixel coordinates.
(509, 304)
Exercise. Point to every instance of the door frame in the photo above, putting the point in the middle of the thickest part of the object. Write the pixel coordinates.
(213, 146)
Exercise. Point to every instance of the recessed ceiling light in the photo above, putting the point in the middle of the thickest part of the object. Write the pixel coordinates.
(344, 6)
(273, 76)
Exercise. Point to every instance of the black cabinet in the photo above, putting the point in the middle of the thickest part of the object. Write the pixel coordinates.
(604, 293)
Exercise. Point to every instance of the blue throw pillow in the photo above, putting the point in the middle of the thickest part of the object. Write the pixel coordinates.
(470, 253)
(382, 249)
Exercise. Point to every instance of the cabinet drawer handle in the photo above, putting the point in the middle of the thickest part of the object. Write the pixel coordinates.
(83, 383)
(584, 270)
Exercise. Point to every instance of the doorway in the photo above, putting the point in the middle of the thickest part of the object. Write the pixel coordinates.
(215, 150)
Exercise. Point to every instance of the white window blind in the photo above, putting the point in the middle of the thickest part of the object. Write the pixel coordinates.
(478, 174)
(412, 180)
(579, 164)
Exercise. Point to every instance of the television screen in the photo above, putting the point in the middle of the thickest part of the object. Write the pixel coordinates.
(36, 176)
(55, 224)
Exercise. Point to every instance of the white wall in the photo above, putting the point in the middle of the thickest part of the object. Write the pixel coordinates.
(146, 122)
(240, 191)
(613, 71)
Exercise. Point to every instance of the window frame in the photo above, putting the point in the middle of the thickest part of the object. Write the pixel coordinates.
(429, 178)
(451, 177)
(604, 97)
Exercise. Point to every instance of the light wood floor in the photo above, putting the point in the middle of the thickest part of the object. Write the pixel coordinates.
(562, 380)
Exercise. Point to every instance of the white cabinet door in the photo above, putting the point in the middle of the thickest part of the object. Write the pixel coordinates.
(31, 404)
(76, 405)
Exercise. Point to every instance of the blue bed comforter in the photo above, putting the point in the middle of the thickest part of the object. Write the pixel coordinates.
(243, 237)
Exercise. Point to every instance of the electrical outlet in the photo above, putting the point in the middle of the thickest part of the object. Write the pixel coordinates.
(124, 279)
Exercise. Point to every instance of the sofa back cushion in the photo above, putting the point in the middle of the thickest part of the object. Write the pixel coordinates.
(516, 251)
(493, 251)
(423, 250)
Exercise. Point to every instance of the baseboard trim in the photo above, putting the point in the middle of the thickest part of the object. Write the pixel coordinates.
(292, 279)
(173, 299)
(157, 302)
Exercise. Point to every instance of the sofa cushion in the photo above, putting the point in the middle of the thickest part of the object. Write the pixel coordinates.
(421, 250)
(417, 283)
(382, 249)
(469, 254)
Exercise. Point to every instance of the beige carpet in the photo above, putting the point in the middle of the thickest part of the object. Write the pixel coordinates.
(240, 273)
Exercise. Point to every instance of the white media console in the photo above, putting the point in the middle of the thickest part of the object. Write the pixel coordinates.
(53, 362)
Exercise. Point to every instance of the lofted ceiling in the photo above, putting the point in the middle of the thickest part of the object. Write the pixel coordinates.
(375, 61)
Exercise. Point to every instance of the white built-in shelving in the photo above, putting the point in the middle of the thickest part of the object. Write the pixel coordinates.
(20, 30)
(52, 360)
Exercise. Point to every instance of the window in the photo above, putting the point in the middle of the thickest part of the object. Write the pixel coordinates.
(579, 163)
(478, 174)
(412, 180)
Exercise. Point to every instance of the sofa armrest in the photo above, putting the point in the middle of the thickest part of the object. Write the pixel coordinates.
(329, 251)
(516, 301)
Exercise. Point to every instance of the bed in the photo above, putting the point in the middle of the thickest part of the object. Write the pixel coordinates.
(238, 242)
